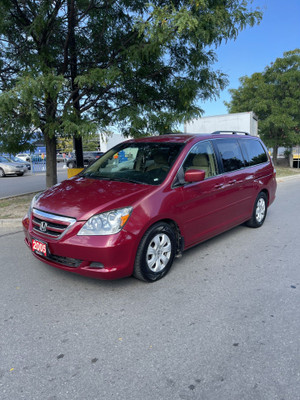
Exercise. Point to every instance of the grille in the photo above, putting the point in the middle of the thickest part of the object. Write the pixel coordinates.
(50, 225)
(69, 262)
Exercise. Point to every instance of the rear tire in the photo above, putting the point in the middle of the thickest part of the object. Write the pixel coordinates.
(259, 211)
(155, 253)
(2, 174)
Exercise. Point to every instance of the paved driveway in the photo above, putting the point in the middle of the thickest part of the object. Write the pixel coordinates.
(224, 324)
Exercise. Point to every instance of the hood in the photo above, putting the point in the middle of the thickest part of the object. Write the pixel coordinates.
(82, 198)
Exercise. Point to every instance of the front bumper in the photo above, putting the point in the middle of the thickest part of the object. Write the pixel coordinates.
(102, 257)
(15, 171)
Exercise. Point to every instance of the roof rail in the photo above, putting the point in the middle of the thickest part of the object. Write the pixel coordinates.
(232, 132)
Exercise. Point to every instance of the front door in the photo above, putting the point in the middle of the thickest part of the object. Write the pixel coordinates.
(203, 213)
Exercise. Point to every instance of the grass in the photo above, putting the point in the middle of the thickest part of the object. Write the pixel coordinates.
(16, 207)
(286, 171)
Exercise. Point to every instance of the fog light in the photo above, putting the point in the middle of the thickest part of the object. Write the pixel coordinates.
(95, 264)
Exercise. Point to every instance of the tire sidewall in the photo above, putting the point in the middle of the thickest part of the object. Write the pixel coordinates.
(141, 263)
(255, 223)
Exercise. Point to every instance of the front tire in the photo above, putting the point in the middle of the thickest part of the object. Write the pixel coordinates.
(259, 211)
(2, 174)
(156, 253)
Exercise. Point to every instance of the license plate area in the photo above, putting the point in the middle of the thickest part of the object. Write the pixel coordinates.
(39, 247)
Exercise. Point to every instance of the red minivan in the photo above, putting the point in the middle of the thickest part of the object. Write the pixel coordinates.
(146, 200)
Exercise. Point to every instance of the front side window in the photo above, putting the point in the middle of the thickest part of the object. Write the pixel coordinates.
(202, 157)
(142, 162)
(231, 154)
(254, 152)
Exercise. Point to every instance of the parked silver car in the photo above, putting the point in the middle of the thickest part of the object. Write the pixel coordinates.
(20, 161)
(24, 156)
(8, 167)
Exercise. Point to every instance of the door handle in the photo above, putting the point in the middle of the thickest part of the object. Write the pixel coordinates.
(219, 186)
(232, 182)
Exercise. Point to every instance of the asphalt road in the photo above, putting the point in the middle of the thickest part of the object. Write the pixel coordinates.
(28, 183)
(223, 324)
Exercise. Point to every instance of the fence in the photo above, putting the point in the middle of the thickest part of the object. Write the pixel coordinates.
(38, 166)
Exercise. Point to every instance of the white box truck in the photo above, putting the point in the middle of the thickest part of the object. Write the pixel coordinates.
(242, 122)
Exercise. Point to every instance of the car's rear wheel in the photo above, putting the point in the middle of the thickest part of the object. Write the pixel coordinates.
(156, 253)
(259, 211)
(2, 174)
(71, 164)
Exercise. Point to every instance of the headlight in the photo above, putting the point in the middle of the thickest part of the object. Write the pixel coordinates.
(106, 223)
(33, 201)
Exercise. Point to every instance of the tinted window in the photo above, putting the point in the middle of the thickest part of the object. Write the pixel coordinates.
(202, 157)
(231, 154)
(254, 152)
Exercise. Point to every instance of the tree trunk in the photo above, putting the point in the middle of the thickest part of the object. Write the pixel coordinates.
(77, 143)
(275, 154)
(51, 168)
(72, 22)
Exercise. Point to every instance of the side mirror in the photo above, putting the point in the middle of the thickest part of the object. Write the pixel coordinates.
(194, 175)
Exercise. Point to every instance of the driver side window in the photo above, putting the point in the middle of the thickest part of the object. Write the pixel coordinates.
(202, 157)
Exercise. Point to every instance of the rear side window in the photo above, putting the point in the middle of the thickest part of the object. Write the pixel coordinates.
(254, 152)
(231, 154)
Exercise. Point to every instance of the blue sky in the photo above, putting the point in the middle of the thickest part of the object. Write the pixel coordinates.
(257, 47)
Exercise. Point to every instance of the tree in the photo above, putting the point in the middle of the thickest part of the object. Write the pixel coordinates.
(69, 67)
(66, 145)
(274, 95)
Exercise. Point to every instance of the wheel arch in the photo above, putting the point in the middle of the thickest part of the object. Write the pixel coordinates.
(176, 229)
(142, 270)
(266, 192)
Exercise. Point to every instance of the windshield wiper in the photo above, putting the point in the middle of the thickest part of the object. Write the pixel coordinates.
(126, 180)
(111, 178)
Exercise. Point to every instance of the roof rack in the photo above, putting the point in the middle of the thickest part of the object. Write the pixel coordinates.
(232, 132)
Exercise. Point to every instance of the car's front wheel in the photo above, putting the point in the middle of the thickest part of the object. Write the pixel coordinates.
(2, 174)
(156, 253)
(259, 211)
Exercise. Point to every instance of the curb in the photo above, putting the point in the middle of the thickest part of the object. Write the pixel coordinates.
(19, 195)
(287, 178)
(11, 223)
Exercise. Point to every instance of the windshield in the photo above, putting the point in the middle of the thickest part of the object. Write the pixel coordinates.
(4, 159)
(146, 163)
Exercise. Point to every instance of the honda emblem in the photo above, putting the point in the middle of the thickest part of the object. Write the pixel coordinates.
(43, 226)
